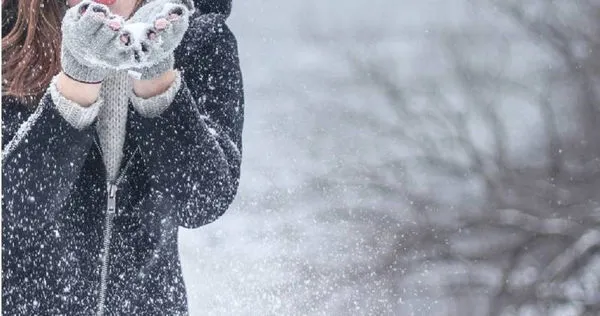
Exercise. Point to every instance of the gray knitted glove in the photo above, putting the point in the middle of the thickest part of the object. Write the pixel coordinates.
(91, 42)
(165, 23)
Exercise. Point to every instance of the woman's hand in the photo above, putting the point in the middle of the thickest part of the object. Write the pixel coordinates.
(92, 42)
(168, 21)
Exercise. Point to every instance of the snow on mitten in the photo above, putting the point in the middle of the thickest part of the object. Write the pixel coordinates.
(91, 42)
(168, 21)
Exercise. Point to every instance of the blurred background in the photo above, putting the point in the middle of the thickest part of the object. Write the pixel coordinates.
(411, 158)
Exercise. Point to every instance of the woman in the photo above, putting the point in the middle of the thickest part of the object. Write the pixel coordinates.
(112, 138)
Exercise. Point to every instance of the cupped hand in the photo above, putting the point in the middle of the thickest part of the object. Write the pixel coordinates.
(92, 42)
(155, 31)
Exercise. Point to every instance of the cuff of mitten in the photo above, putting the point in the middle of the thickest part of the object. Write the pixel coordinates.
(78, 116)
(154, 106)
(159, 69)
(79, 72)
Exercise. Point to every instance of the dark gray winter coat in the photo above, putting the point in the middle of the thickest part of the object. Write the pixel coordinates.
(180, 169)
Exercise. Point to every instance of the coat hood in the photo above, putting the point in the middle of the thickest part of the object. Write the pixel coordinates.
(221, 7)
(213, 6)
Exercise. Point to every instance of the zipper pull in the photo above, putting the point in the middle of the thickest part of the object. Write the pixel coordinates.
(112, 198)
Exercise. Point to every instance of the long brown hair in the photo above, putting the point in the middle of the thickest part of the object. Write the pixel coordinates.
(31, 49)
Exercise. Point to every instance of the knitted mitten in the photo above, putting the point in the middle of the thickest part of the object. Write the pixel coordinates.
(165, 22)
(92, 44)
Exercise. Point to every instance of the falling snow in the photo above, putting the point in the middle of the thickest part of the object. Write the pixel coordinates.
(399, 158)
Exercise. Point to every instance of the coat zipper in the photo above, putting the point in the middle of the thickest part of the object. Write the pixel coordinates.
(111, 209)
(110, 212)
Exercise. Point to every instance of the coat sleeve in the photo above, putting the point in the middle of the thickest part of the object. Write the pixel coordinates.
(42, 155)
(193, 148)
